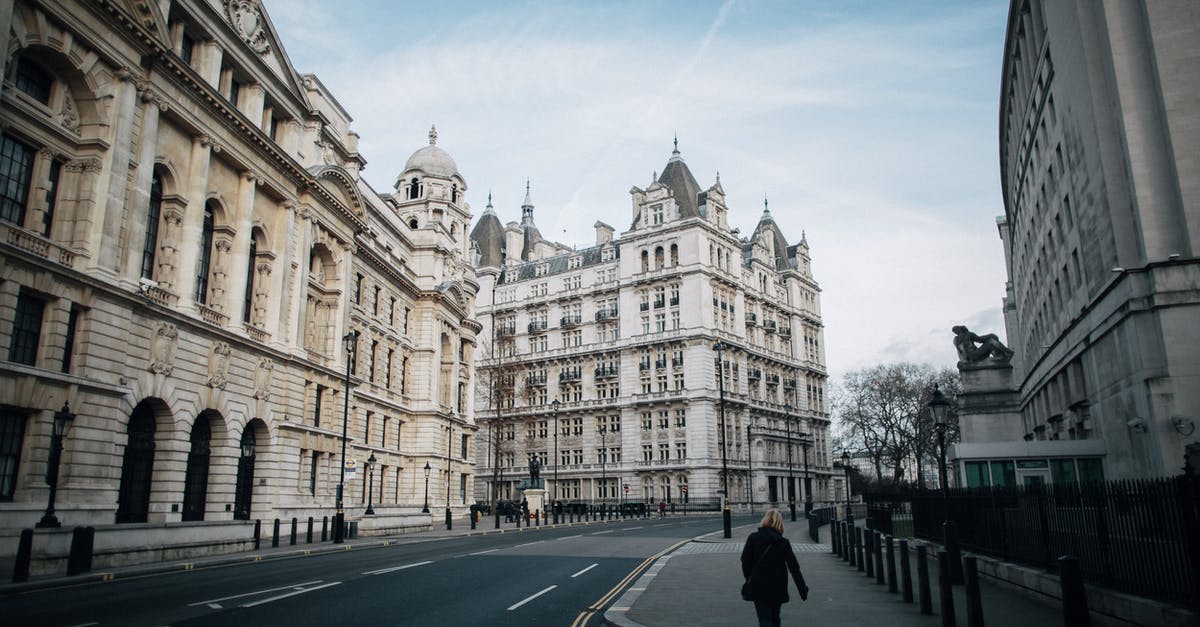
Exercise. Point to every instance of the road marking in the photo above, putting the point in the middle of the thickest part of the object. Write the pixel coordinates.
(86, 624)
(632, 528)
(605, 531)
(295, 586)
(529, 543)
(291, 594)
(384, 571)
(584, 571)
(530, 598)
(578, 535)
(482, 552)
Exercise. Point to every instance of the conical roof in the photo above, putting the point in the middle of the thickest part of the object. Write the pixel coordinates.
(488, 236)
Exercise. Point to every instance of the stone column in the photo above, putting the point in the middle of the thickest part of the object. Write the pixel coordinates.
(192, 223)
(105, 254)
(239, 258)
(139, 200)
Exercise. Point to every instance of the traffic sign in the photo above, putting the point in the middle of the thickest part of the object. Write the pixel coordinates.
(626, 487)
(683, 489)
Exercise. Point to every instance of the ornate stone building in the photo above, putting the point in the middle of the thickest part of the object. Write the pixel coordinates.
(1099, 131)
(607, 353)
(186, 245)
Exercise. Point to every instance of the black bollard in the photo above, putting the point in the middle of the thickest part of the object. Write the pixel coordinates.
(1074, 598)
(906, 591)
(275, 535)
(308, 534)
(473, 514)
(858, 548)
(974, 601)
(923, 581)
(257, 533)
(950, 533)
(292, 540)
(877, 544)
(946, 589)
(24, 557)
(847, 546)
(869, 536)
(324, 528)
(893, 587)
(80, 559)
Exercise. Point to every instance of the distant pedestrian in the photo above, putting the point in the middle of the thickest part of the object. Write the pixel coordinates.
(766, 560)
(662, 509)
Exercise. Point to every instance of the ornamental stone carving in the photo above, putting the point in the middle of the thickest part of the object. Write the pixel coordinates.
(974, 348)
(68, 116)
(162, 348)
(262, 379)
(218, 365)
(246, 19)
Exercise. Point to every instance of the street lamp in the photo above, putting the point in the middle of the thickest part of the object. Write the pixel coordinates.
(720, 348)
(339, 520)
(938, 406)
(557, 461)
(787, 420)
(449, 443)
(62, 420)
(370, 486)
(425, 510)
(846, 468)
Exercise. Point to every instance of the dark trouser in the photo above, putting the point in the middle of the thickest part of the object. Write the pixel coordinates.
(768, 614)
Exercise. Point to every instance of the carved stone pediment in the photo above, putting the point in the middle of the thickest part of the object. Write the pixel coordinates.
(247, 21)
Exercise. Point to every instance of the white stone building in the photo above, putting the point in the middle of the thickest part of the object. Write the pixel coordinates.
(186, 241)
(622, 335)
(1099, 132)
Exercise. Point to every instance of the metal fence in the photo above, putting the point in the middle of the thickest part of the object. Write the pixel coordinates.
(1138, 536)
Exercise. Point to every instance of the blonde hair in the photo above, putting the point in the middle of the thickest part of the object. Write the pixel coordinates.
(772, 519)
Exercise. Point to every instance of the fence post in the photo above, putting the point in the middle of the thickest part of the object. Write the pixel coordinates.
(974, 601)
(869, 548)
(308, 536)
(946, 589)
(80, 558)
(891, 565)
(1074, 599)
(906, 590)
(923, 581)
(257, 533)
(275, 535)
(24, 556)
(877, 544)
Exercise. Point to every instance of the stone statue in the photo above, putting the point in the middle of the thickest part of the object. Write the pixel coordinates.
(974, 348)
(535, 471)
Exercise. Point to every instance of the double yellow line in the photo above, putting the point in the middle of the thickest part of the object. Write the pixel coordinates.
(586, 615)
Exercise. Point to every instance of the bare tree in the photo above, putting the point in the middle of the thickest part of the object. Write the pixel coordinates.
(497, 390)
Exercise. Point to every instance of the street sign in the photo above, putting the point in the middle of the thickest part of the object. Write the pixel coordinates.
(626, 487)
(683, 489)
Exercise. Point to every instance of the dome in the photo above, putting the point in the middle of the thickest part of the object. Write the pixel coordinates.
(432, 160)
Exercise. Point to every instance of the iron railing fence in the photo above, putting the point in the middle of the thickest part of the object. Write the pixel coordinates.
(1137, 536)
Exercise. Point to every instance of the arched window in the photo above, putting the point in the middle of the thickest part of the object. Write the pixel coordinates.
(248, 299)
(244, 489)
(645, 261)
(414, 189)
(658, 257)
(454, 193)
(202, 263)
(195, 482)
(674, 254)
(412, 224)
(153, 215)
(137, 468)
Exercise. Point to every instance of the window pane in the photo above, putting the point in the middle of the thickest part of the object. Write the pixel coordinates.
(33, 80)
(1090, 469)
(16, 168)
(1004, 473)
(27, 328)
(12, 434)
(1062, 471)
(977, 474)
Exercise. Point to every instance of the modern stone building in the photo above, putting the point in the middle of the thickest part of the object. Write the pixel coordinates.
(621, 336)
(186, 243)
(1099, 137)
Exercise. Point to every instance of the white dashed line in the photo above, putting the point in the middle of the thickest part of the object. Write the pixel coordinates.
(384, 571)
(530, 598)
(528, 543)
(605, 531)
(482, 552)
(214, 602)
(584, 571)
(291, 594)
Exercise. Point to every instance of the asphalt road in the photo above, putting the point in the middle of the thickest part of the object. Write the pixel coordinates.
(542, 577)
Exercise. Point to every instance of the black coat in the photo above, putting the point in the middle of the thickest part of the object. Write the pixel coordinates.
(768, 577)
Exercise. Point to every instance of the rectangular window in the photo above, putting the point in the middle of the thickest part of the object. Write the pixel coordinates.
(977, 475)
(367, 427)
(388, 369)
(33, 80)
(16, 170)
(235, 90)
(314, 464)
(464, 445)
(69, 341)
(1004, 473)
(317, 405)
(27, 330)
(12, 436)
(186, 47)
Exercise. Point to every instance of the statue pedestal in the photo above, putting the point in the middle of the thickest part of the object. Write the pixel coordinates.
(536, 498)
(990, 404)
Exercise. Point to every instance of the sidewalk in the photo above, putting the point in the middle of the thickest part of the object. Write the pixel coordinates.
(699, 584)
(438, 531)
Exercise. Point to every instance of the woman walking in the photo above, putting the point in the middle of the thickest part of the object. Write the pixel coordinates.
(766, 560)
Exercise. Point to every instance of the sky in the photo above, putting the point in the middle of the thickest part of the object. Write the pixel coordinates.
(871, 127)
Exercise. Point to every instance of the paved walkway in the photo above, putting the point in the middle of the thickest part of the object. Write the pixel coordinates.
(699, 584)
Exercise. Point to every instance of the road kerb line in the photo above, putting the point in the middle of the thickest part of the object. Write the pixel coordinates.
(530, 598)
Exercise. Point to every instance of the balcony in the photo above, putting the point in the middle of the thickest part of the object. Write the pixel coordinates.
(644, 307)
(257, 334)
(212, 316)
(568, 322)
(674, 302)
(772, 379)
(535, 381)
(789, 384)
(605, 372)
(659, 303)
(644, 366)
(754, 375)
(507, 330)
(751, 319)
(785, 331)
(676, 362)
(769, 326)
(569, 376)
(606, 314)
(537, 327)
(37, 245)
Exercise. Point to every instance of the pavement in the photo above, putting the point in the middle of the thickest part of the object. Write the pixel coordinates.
(699, 584)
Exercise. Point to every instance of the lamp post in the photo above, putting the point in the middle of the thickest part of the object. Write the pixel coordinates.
(720, 347)
(370, 485)
(938, 406)
(557, 461)
(787, 420)
(339, 519)
(62, 420)
(805, 442)
(449, 443)
(846, 469)
(425, 510)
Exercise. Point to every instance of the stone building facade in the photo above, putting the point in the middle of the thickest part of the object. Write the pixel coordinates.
(1099, 132)
(607, 354)
(187, 243)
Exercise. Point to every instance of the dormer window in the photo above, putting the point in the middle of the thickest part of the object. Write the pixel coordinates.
(414, 189)
(656, 213)
(33, 80)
